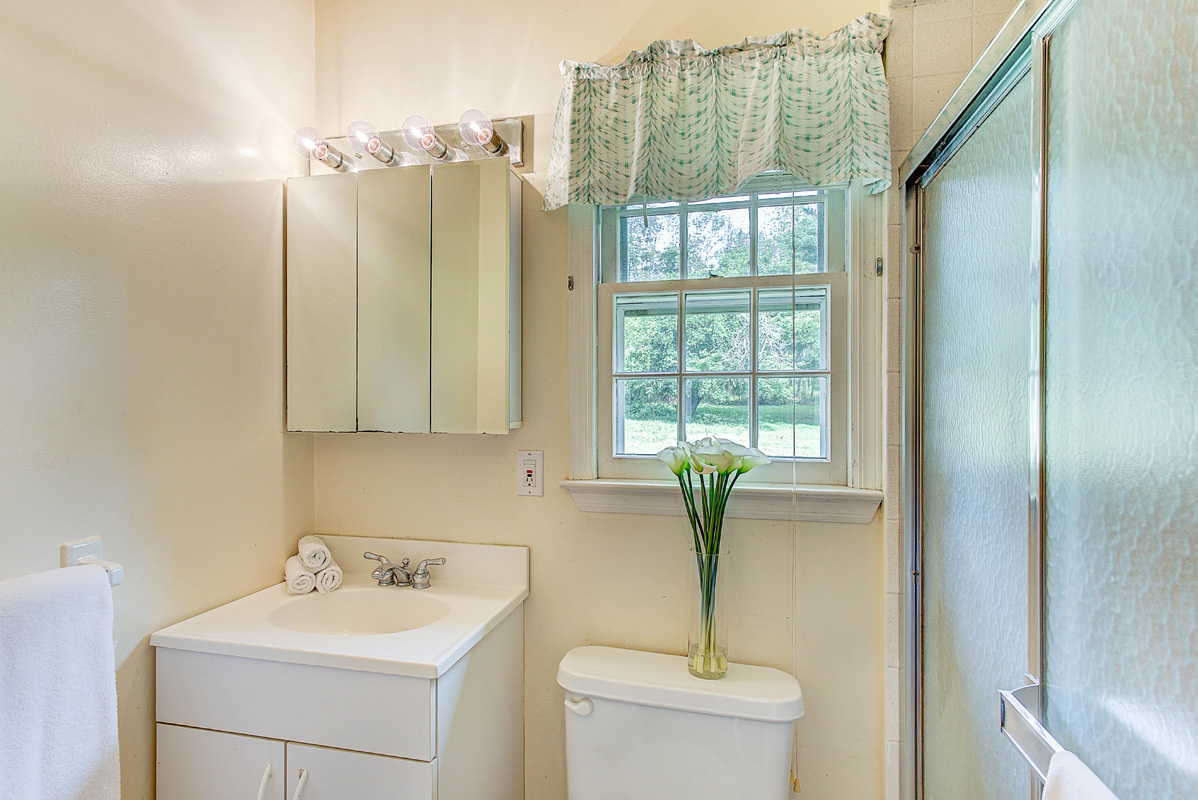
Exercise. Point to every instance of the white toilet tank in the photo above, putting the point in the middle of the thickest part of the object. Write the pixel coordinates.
(640, 727)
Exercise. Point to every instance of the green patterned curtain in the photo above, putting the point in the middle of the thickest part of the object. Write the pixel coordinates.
(677, 122)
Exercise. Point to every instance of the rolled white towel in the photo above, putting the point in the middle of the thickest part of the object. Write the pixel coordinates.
(314, 553)
(328, 578)
(300, 579)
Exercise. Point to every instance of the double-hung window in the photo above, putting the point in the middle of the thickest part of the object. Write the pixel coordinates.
(726, 317)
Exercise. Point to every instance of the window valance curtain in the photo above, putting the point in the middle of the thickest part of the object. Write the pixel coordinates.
(678, 122)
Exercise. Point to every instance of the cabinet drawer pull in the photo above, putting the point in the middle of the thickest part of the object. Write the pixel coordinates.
(266, 776)
(299, 785)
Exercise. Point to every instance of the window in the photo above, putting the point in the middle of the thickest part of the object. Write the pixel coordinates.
(681, 325)
(725, 318)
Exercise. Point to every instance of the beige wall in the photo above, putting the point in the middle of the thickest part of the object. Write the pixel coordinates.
(140, 306)
(808, 600)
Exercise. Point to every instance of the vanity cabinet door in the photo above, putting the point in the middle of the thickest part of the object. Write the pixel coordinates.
(342, 774)
(196, 764)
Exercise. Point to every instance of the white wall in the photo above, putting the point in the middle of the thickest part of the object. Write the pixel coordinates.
(141, 306)
(808, 600)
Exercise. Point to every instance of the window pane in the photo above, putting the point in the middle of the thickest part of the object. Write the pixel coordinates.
(717, 243)
(646, 415)
(646, 331)
(792, 418)
(790, 329)
(717, 407)
(717, 332)
(776, 254)
(649, 248)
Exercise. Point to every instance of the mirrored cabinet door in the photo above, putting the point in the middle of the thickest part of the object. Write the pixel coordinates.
(322, 303)
(476, 298)
(394, 322)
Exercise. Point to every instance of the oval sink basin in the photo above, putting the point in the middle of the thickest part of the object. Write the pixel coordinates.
(359, 612)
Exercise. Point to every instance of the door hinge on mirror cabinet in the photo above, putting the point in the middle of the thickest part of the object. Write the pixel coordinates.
(570, 283)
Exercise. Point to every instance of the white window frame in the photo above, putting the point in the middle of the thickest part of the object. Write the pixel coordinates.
(855, 501)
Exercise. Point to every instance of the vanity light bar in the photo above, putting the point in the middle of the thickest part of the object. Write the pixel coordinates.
(474, 137)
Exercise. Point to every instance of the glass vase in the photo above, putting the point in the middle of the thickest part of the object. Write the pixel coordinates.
(707, 631)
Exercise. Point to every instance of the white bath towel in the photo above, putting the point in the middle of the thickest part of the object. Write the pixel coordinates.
(58, 730)
(328, 578)
(314, 553)
(300, 579)
(1070, 779)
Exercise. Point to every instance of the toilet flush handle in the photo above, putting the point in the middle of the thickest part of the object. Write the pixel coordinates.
(582, 707)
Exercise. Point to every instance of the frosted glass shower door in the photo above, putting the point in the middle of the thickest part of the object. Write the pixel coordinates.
(973, 471)
(1121, 549)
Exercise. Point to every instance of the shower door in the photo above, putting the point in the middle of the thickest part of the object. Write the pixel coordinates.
(1052, 431)
(977, 240)
(1121, 506)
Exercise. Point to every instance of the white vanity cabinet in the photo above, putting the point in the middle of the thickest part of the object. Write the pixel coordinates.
(223, 719)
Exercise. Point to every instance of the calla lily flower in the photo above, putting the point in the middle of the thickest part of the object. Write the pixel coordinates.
(676, 458)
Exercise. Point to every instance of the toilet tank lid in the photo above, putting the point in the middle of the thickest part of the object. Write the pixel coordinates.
(655, 679)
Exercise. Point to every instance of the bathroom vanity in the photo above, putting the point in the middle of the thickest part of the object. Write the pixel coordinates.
(368, 691)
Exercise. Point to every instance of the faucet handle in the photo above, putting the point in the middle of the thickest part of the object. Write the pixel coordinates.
(421, 577)
(376, 557)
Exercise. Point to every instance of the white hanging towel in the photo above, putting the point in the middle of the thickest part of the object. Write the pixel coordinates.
(1070, 779)
(58, 729)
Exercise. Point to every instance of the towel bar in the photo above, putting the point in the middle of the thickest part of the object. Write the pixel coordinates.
(88, 551)
(1025, 731)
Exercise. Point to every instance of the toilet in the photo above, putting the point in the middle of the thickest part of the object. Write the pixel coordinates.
(639, 726)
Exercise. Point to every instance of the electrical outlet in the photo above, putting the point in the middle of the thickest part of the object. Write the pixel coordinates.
(530, 471)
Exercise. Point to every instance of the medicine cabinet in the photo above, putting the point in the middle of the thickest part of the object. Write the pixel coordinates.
(403, 300)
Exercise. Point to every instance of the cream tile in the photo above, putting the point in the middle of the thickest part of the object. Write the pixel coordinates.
(900, 114)
(894, 770)
(894, 256)
(936, 11)
(894, 557)
(894, 409)
(943, 46)
(894, 483)
(984, 29)
(899, 46)
(893, 701)
(894, 335)
(928, 95)
(894, 627)
(1004, 7)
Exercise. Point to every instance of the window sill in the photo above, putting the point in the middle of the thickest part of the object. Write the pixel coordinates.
(749, 501)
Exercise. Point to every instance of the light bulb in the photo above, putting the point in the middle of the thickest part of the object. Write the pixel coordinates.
(363, 137)
(310, 144)
(418, 133)
(476, 127)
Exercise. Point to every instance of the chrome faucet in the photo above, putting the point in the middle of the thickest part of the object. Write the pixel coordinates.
(388, 574)
(420, 578)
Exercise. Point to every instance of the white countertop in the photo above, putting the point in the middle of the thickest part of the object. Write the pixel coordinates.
(481, 584)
